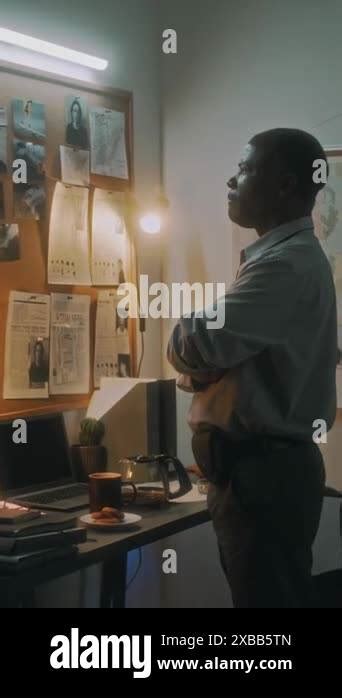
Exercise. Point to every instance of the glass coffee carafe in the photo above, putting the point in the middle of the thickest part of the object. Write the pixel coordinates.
(160, 471)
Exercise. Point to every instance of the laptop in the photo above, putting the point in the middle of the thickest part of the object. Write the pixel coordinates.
(39, 473)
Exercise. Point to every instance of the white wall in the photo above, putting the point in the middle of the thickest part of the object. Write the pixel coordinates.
(240, 68)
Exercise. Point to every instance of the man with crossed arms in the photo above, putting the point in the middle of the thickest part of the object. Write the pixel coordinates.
(263, 379)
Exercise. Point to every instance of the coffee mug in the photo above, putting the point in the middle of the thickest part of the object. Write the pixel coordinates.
(105, 490)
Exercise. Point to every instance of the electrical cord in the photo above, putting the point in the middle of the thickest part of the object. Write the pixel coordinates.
(136, 571)
(141, 353)
(142, 321)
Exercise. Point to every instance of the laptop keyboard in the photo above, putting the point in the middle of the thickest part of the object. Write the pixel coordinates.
(67, 492)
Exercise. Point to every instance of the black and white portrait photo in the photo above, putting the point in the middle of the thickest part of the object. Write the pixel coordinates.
(124, 366)
(76, 119)
(39, 362)
(121, 325)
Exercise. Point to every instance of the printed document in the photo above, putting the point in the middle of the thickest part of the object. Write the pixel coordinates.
(69, 355)
(112, 357)
(107, 143)
(74, 165)
(110, 241)
(68, 259)
(26, 368)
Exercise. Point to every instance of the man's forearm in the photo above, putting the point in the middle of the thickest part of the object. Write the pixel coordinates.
(183, 354)
(256, 310)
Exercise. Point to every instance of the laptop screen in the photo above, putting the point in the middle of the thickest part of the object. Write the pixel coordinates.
(42, 459)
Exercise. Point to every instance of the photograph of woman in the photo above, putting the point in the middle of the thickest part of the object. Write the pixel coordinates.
(121, 325)
(76, 120)
(39, 367)
(121, 273)
(124, 366)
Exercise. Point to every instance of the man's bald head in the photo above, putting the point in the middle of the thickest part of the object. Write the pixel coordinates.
(295, 151)
(275, 178)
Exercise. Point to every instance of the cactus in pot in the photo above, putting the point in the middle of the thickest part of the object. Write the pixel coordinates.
(89, 456)
(91, 432)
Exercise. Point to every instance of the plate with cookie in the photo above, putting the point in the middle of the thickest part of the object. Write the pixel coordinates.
(110, 519)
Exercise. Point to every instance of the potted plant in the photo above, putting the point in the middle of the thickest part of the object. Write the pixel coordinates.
(89, 456)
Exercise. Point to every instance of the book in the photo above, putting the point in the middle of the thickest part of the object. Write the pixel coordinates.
(47, 521)
(13, 513)
(54, 539)
(17, 563)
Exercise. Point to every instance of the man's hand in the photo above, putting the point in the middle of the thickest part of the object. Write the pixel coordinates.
(195, 470)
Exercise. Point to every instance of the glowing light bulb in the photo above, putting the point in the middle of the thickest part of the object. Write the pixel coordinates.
(150, 223)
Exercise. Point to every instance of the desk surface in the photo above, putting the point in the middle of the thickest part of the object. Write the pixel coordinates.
(100, 546)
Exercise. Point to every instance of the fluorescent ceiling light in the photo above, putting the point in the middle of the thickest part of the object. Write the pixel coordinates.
(66, 54)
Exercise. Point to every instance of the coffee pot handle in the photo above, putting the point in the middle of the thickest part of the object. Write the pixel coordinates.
(185, 484)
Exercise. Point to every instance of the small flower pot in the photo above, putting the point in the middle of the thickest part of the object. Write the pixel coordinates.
(87, 460)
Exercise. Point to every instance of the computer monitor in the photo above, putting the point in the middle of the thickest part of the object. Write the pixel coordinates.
(44, 460)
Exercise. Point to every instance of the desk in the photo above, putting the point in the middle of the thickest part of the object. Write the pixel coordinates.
(107, 548)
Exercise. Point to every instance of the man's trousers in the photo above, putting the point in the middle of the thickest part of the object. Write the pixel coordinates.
(266, 518)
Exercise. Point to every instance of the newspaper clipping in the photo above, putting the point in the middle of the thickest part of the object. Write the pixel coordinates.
(27, 346)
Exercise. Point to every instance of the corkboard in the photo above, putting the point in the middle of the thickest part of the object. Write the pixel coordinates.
(30, 272)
